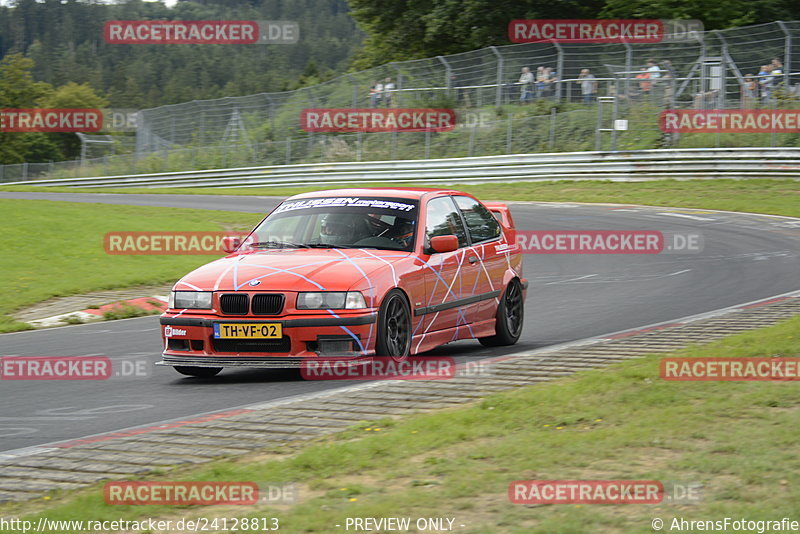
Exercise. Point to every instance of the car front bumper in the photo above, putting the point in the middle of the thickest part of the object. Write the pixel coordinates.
(189, 340)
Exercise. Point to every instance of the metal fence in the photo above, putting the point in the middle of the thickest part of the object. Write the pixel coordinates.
(487, 77)
(713, 70)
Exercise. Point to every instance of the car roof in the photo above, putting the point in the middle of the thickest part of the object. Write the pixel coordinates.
(397, 192)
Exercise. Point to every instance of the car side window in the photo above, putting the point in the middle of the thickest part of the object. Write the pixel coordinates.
(443, 219)
(481, 224)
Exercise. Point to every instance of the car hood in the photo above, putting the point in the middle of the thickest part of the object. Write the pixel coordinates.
(290, 270)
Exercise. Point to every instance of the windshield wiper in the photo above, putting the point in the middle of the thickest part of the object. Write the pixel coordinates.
(374, 247)
(277, 244)
(324, 245)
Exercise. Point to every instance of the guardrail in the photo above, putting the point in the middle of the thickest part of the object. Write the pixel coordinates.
(689, 163)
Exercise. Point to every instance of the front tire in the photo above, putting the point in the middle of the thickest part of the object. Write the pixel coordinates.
(509, 317)
(394, 327)
(200, 372)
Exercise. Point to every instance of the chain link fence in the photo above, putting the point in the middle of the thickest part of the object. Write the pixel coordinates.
(711, 70)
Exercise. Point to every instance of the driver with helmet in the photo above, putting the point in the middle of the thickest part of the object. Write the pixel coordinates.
(350, 228)
(340, 229)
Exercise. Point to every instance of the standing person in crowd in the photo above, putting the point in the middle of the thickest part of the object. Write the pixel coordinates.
(644, 84)
(765, 82)
(667, 70)
(550, 78)
(655, 73)
(388, 92)
(540, 82)
(777, 72)
(526, 80)
(653, 69)
(375, 91)
(588, 83)
(749, 91)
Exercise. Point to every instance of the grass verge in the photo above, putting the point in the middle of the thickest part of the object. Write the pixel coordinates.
(776, 197)
(56, 249)
(621, 422)
(128, 311)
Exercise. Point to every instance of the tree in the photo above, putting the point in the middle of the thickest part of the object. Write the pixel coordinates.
(19, 91)
(70, 96)
(399, 31)
(414, 29)
(17, 88)
(715, 15)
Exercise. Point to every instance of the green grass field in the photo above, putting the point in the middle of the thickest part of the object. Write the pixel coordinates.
(56, 248)
(777, 197)
(736, 439)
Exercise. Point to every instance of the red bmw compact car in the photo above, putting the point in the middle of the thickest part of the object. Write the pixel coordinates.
(351, 273)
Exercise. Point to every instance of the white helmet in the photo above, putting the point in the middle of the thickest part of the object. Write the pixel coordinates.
(338, 229)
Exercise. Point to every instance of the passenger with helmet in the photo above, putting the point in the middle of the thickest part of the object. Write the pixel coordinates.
(402, 232)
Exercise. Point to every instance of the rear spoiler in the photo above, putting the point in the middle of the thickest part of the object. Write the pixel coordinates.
(502, 213)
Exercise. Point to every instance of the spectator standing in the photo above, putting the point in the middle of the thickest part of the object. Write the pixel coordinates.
(749, 91)
(375, 94)
(526, 80)
(777, 73)
(765, 82)
(655, 74)
(540, 82)
(388, 92)
(653, 69)
(550, 79)
(667, 70)
(644, 84)
(588, 83)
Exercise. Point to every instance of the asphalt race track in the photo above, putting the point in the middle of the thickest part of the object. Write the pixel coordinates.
(744, 258)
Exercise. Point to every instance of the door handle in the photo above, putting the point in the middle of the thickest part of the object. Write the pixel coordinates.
(473, 259)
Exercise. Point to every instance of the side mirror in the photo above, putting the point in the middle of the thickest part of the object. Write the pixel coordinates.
(444, 243)
(230, 243)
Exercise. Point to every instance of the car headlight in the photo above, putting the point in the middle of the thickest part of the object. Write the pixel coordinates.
(337, 300)
(179, 300)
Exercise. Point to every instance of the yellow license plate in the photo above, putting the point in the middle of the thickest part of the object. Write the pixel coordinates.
(248, 330)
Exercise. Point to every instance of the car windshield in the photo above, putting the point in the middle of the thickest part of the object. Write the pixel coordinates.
(339, 222)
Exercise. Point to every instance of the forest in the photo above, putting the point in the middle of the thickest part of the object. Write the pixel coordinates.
(65, 41)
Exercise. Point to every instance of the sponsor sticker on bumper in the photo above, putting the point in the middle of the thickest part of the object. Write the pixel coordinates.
(248, 330)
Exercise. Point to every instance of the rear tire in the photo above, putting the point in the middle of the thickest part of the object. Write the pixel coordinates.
(200, 372)
(394, 327)
(509, 317)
